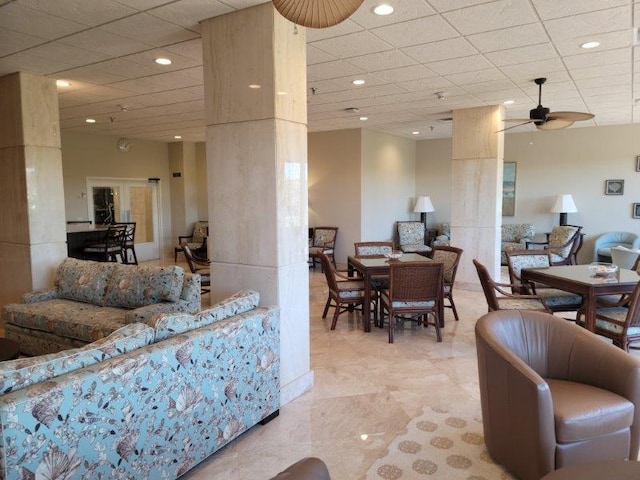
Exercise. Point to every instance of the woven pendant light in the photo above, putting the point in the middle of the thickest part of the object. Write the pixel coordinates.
(316, 13)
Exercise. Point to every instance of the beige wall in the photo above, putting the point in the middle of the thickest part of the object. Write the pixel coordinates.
(575, 161)
(388, 184)
(334, 185)
(97, 156)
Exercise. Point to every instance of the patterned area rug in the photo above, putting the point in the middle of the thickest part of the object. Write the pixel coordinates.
(439, 445)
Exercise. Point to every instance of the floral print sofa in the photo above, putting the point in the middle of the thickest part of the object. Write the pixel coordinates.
(93, 299)
(515, 237)
(147, 401)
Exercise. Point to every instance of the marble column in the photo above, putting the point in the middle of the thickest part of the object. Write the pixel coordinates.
(32, 216)
(476, 202)
(255, 103)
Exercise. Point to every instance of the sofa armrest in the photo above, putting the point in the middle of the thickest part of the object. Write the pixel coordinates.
(40, 296)
(149, 313)
(309, 468)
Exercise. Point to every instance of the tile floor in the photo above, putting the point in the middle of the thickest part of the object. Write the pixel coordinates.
(364, 388)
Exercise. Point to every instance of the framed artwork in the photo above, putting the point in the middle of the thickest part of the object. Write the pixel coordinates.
(638, 163)
(509, 189)
(636, 210)
(614, 187)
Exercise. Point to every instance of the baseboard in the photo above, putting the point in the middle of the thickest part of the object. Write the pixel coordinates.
(294, 389)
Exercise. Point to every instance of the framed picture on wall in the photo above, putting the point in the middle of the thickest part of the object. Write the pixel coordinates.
(636, 210)
(509, 189)
(614, 187)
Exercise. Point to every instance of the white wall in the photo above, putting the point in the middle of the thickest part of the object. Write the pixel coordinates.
(575, 161)
(201, 181)
(97, 156)
(388, 184)
(334, 185)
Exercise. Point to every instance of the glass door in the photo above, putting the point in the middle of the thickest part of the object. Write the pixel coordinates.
(112, 200)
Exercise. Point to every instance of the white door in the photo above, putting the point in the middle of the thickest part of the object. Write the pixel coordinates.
(126, 200)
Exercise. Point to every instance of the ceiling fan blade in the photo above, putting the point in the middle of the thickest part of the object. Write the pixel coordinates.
(524, 120)
(514, 126)
(570, 116)
(554, 125)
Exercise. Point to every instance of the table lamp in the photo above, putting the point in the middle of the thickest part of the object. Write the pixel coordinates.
(564, 204)
(423, 206)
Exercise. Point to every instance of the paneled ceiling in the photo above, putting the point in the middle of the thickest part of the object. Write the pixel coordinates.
(475, 52)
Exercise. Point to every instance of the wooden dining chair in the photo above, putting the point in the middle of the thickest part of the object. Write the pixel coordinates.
(378, 283)
(450, 257)
(555, 299)
(345, 293)
(415, 290)
(499, 298)
(109, 248)
(128, 243)
(199, 266)
(323, 241)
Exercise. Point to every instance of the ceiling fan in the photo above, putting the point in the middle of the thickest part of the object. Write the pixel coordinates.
(547, 120)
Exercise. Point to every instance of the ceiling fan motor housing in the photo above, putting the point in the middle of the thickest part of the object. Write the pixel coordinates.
(539, 113)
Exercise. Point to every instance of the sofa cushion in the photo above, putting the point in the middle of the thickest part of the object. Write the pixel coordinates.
(20, 373)
(169, 325)
(83, 280)
(66, 318)
(132, 286)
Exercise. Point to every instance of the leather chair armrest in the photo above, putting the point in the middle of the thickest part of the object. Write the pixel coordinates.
(309, 468)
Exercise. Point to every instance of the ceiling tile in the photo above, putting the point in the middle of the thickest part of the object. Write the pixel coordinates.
(526, 72)
(467, 78)
(12, 41)
(325, 71)
(596, 58)
(33, 22)
(608, 41)
(590, 24)
(515, 56)
(416, 32)
(506, 38)
(491, 16)
(26, 62)
(382, 60)
(549, 9)
(149, 30)
(402, 74)
(315, 55)
(105, 42)
(343, 28)
(441, 50)
(352, 45)
(448, 5)
(67, 54)
(100, 12)
(595, 72)
(188, 13)
(458, 65)
(191, 49)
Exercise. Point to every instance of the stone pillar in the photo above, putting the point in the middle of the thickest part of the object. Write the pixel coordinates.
(255, 104)
(32, 215)
(476, 202)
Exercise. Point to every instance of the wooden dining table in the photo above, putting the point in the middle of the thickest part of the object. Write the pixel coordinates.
(369, 266)
(581, 280)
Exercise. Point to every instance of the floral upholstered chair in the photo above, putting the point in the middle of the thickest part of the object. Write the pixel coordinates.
(444, 235)
(515, 237)
(323, 241)
(196, 241)
(410, 237)
(563, 244)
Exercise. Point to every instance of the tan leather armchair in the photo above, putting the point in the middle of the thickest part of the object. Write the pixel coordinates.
(309, 468)
(554, 394)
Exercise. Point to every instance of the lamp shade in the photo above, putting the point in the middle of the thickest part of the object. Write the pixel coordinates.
(423, 205)
(316, 13)
(564, 204)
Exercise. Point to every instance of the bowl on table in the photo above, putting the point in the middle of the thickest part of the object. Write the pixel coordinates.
(602, 269)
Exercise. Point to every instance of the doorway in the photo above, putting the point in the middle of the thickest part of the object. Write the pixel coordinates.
(113, 200)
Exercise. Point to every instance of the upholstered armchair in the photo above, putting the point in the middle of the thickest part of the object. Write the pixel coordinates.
(410, 237)
(563, 244)
(553, 394)
(195, 240)
(515, 237)
(323, 241)
(604, 243)
(443, 238)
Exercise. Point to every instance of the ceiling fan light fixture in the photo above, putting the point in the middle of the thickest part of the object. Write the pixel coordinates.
(316, 13)
(592, 44)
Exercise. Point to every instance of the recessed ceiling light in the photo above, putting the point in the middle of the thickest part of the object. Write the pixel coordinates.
(177, 137)
(254, 86)
(358, 82)
(364, 118)
(590, 45)
(90, 120)
(163, 61)
(416, 133)
(508, 102)
(62, 83)
(383, 9)
(281, 93)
